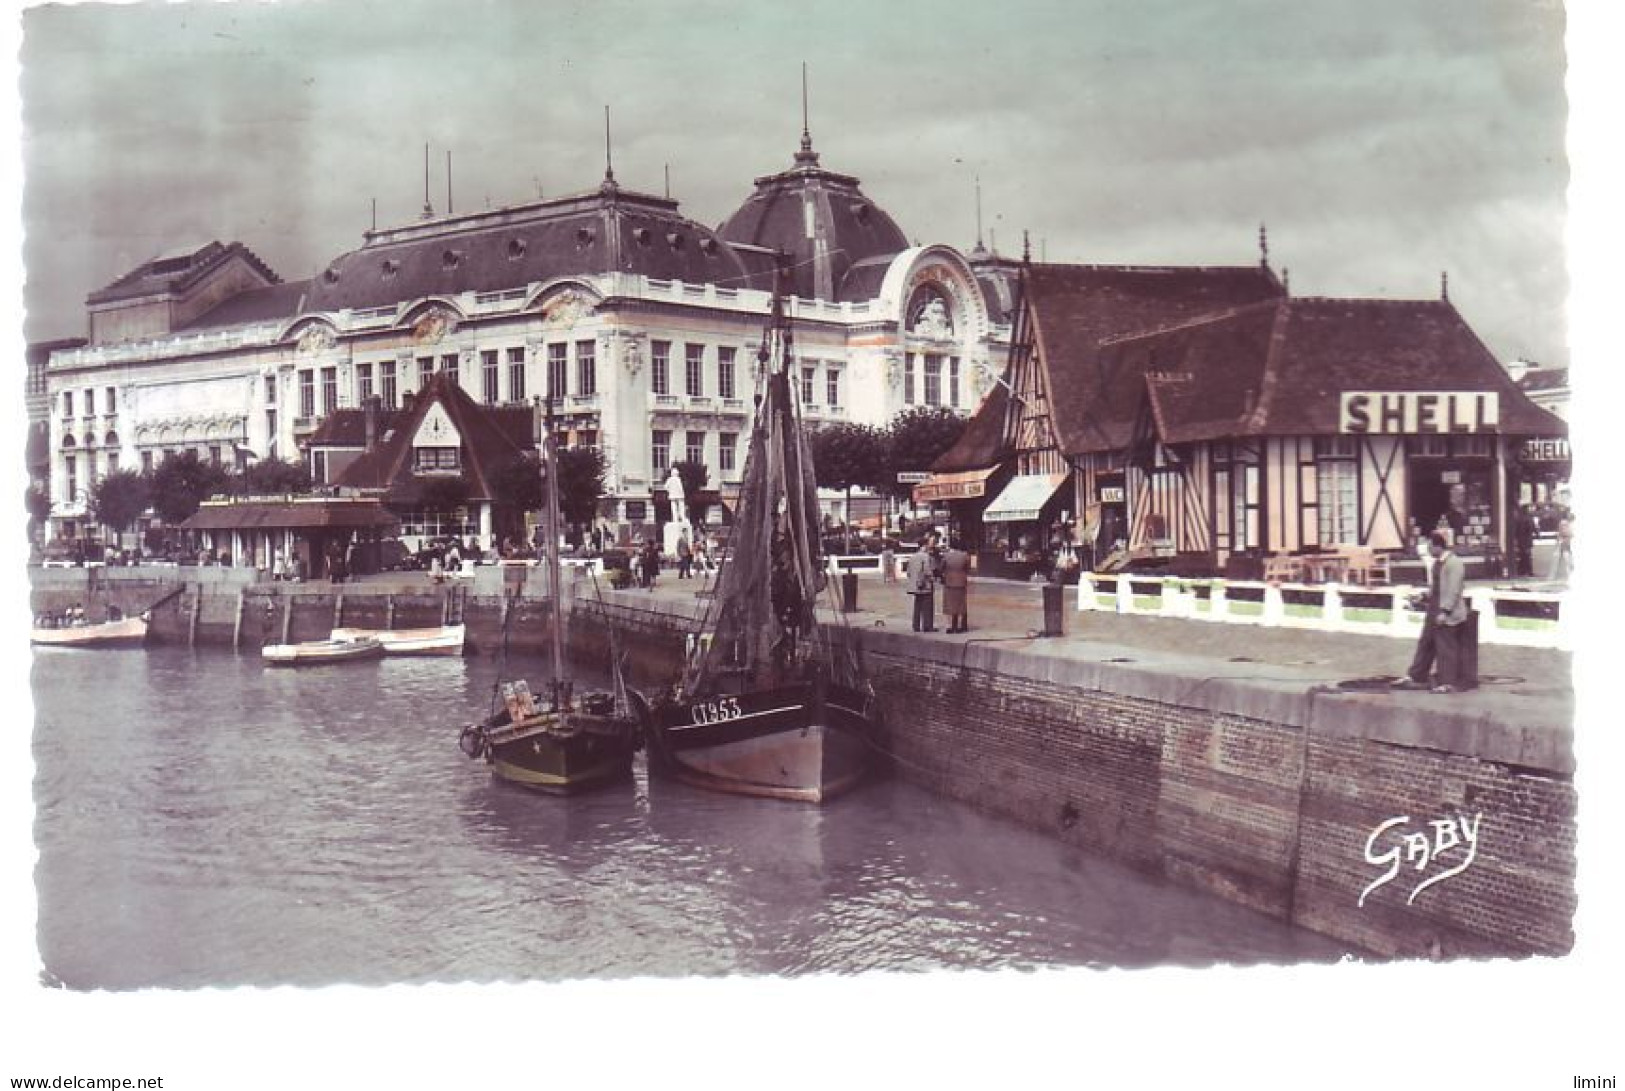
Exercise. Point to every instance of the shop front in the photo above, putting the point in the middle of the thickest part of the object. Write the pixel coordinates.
(964, 494)
(1027, 527)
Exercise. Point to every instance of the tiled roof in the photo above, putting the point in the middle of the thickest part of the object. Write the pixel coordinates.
(981, 444)
(255, 305)
(489, 437)
(257, 514)
(177, 271)
(1075, 307)
(1545, 378)
(1279, 368)
(607, 230)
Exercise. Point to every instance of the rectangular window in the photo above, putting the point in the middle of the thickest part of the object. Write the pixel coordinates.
(832, 386)
(694, 449)
(489, 376)
(908, 379)
(386, 383)
(425, 371)
(363, 383)
(214, 454)
(270, 433)
(90, 403)
(558, 370)
(67, 403)
(71, 465)
(146, 462)
(694, 370)
(448, 364)
(318, 467)
(436, 459)
(270, 390)
(1336, 484)
(516, 375)
(112, 401)
(953, 381)
(330, 389)
(727, 444)
(725, 374)
(587, 437)
(933, 380)
(660, 367)
(660, 451)
(112, 462)
(809, 376)
(307, 393)
(586, 370)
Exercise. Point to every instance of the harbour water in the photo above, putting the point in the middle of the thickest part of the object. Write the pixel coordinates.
(202, 820)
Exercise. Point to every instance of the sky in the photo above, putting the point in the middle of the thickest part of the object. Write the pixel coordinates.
(1382, 143)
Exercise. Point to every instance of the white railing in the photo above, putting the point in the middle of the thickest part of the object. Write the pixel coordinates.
(1373, 611)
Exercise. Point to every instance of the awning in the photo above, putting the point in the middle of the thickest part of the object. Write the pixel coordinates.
(1023, 499)
(964, 485)
(289, 515)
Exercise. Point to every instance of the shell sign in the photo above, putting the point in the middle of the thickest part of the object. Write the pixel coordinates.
(1419, 413)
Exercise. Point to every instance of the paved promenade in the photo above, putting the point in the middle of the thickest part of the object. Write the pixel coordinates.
(1002, 610)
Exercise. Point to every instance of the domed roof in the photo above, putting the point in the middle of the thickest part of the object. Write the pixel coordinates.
(821, 219)
(606, 230)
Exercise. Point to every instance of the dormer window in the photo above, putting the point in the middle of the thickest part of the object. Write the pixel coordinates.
(437, 460)
(641, 235)
(674, 240)
(450, 259)
(584, 236)
(516, 249)
(391, 267)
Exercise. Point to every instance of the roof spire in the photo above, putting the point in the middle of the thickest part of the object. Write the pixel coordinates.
(668, 181)
(1263, 247)
(1444, 285)
(609, 163)
(1286, 280)
(979, 248)
(806, 154)
(1026, 248)
(428, 209)
(448, 182)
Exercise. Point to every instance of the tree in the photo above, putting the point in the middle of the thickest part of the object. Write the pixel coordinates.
(848, 455)
(444, 494)
(118, 499)
(915, 439)
(516, 487)
(582, 472)
(695, 476)
(275, 476)
(181, 483)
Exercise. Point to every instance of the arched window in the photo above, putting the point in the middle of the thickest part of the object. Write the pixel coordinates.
(111, 439)
(68, 442)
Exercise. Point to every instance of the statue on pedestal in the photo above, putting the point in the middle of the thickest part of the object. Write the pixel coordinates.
(677, 497)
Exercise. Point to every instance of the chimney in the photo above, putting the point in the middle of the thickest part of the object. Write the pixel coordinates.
(369, 414)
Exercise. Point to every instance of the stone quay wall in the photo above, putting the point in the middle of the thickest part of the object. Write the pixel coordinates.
(1282, 795)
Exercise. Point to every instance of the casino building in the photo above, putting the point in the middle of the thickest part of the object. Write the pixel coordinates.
(1207, 421)
(639, 324)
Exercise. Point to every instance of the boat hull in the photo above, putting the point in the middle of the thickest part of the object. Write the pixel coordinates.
(438, 640)
(790, 742)
(319, 652)
(557, 755)
(128, 632)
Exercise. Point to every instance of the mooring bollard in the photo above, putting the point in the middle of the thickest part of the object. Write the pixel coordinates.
(1054, 610)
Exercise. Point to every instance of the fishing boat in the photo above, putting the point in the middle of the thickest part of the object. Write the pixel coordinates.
(431, 640)
(770, 703)
(565, 741)
(125, 632)
(312, 653)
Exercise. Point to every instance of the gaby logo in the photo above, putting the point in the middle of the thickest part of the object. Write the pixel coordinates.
(1391, 843)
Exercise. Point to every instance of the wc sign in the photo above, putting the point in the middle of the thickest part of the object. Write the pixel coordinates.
(1418, 412)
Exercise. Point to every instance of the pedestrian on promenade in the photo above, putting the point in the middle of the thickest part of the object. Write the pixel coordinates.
(956, 586)
(685, 556)
(888, 563)
(651, 564)
(919, 583)
(1441, 641)
(1523, 541)
(1563, 559)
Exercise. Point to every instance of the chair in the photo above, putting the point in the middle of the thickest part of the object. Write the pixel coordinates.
(1282, 569)
(1367, 567)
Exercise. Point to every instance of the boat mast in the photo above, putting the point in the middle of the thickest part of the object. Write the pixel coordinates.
(550, 472)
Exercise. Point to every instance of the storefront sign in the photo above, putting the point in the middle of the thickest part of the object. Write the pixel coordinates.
(1412, 413)
(934, 488)
(1544, 450)
(1111, 494)
(913, 477)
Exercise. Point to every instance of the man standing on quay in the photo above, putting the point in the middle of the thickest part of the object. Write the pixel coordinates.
(918, 581)
(1442, 627)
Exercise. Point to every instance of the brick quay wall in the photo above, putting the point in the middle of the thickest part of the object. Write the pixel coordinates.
(1238, 779)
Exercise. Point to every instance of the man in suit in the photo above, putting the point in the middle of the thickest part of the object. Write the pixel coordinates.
(1442, 632)
(919, 582)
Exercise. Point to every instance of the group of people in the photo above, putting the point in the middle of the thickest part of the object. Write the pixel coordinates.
(929, 566)
(73, 615)
(1530, 520)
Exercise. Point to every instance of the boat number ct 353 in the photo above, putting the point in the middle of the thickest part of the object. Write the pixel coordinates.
(710, 712)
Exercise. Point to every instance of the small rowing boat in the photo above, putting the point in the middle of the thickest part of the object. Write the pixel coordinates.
(122, 633)
(434, 640)
(315, 652)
